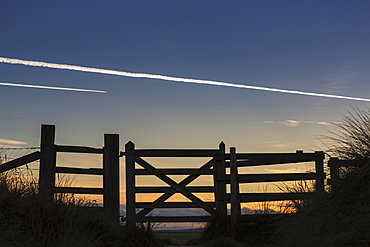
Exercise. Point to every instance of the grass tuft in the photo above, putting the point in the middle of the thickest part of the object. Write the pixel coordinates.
(337, 219)
(223, 241)
(26, 221)
(218, 226)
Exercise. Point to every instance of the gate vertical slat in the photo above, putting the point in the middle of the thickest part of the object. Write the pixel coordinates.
(219, 180)
(234, 184)
(334, 173)
(319, 167)
(130, 182)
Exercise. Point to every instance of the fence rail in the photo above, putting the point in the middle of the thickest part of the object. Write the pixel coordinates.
(263, 178)
(76, 190)
(264, 197)
(174, 152)
(195, 189)
(91, 171)
(78, 149)
(20, 161)
(186, 171)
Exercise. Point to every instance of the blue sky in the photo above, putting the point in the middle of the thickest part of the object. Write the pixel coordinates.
(314, 46)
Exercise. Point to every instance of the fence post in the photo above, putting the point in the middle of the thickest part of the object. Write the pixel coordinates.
(111, 176)
(319, 166)
(130, 182)
(219, 181)
(334, 173)
(47, 163)
(234, 184)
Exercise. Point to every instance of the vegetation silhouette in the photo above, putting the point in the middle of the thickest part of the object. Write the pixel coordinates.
(337, 218)
(25, 220)
(341, 217)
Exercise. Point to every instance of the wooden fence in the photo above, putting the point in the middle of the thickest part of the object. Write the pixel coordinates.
(247, 160)
(216, 166)
(335, 165)
(48, 169)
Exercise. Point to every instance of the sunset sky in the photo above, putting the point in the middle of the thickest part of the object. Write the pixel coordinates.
(311, 46)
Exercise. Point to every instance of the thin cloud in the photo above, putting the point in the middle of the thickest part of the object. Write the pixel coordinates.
(18, 114)
(287, 170)
(12, 142)
(166, 78)
(295, 123)
(49, 87)
(278, 144)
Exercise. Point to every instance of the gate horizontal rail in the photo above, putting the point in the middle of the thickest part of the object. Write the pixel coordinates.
(175, 152)
(199, 189)
(20, 161)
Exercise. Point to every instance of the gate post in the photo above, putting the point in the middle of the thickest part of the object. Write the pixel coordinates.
(47, 163)
(319, 167)
(219, 181)
(130, 182)
(111, 176)
(234, 184)
(334, 173)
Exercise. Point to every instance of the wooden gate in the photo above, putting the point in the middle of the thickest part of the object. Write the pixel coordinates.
(216, 166)
(136, 156)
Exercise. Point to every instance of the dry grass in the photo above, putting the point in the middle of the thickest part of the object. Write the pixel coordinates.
(338, 219)
(26, 221)
(351, 139)
(300, 186)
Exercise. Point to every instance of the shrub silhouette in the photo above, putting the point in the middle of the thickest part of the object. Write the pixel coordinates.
(340, 218)
(351, 140)
(26, 221)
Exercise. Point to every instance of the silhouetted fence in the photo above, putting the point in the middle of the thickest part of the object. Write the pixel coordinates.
(48, 169)
(335, 165)
(216, 166)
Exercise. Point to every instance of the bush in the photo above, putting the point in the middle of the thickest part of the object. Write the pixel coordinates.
(300, 186)
(25, 220)
(337, 219)
(340, 218)
(218, 226)
(351, 140)
(141, 235)
(219, 231)
(222, 241)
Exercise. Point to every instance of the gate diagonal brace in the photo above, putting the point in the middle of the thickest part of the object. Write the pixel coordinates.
(179, 187)
(173, 184)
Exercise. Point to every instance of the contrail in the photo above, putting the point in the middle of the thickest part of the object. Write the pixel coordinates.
(48, 87)
(167, 78)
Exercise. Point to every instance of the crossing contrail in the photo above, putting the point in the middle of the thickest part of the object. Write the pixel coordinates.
(48, 87)
(167, 78)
